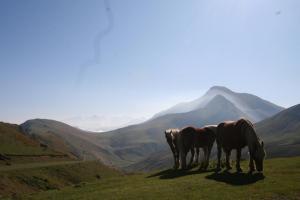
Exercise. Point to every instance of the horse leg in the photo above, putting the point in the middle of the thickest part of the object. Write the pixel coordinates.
(183, 159)
(176, 157)
(175, 161)
(219, 156)
(208, 155)
(192, 157)
(238, 158)
(197, 156)
(228, 152)
(251, 164)
(205, 158)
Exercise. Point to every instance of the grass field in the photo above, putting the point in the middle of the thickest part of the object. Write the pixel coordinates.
(281, 180)
(18, 180)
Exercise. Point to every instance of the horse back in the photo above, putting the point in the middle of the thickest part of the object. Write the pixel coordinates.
(204, 137)
(187, 136)
(230, 135)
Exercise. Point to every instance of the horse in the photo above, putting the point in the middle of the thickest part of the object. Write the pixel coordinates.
(190, 138)
(171, 137)
(237, 135)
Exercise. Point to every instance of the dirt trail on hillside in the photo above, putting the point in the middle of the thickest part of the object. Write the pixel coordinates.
(36, 165)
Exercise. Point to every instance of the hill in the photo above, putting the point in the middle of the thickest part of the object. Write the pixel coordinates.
(280, 181)
(254, 108)
(67, 139)
(17, 147)
(282, 132)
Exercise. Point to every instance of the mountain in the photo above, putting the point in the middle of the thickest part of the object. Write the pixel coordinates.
(255, 108)
(67, 139)
(128, 146)
(137, 142)
(282, 132)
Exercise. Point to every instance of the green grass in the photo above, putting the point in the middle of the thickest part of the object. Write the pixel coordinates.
(18, 180)
(281, 180)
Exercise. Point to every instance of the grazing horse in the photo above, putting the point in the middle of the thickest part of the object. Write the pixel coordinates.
(237, 135)
(190, 138)
(171, 137)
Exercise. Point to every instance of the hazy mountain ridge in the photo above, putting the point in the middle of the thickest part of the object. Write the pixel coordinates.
(256, 108)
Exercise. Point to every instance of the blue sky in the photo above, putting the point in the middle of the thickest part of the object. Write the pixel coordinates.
(155, 54)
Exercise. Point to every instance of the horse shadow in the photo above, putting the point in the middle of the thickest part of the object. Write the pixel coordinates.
(232, 178)
(236, 178)
(171, 173)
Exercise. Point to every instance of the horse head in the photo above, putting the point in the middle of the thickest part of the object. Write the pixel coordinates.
(259, 156)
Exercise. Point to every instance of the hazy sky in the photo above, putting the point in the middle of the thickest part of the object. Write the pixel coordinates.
(153, 54)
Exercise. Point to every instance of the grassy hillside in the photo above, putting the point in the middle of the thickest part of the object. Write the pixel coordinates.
(64, 138)
(285, 122)
(281, 180)
(16, 147)
(13, 141)
(21, 179)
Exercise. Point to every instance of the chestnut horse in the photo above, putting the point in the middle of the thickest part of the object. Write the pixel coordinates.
(237, 135)
(190, 138)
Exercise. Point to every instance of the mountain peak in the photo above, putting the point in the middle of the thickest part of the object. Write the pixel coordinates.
(220, 88)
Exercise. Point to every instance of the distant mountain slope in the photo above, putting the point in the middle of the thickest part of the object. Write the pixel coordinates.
(254, 107)
(70, 140)
(282, 132)
(285, 122)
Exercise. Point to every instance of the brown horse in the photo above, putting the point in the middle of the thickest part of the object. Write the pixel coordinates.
(171, 137)
(190, 138)
(237, 135)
